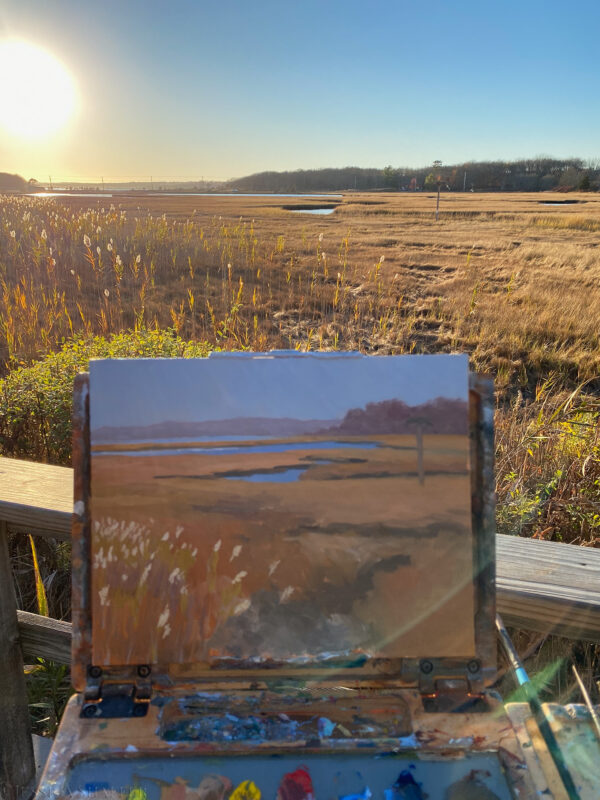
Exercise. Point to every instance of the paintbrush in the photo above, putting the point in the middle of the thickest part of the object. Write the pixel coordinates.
(535, 705)
(587, 701)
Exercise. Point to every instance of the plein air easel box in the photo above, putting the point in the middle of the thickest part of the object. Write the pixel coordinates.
(283, 584)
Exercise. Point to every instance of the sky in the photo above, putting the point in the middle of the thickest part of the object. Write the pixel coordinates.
(147, 391)
(192, 89)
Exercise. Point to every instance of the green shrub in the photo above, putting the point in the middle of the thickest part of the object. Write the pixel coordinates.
(48, 689)
(36, 399)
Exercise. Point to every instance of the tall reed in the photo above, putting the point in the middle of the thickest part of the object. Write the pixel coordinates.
(100, 271)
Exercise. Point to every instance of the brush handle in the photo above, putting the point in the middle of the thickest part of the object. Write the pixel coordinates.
(535, 705)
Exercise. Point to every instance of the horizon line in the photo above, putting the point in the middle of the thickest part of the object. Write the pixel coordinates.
(149, 177)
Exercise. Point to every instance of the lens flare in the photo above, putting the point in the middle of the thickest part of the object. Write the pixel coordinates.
(37, 93)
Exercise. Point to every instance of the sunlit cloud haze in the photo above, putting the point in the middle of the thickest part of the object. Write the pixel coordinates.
(186, 90)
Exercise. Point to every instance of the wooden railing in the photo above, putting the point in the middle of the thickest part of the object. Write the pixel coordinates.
(541, 586)
(36, 499)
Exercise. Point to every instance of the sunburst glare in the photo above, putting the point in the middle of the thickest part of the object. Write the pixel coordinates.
(37, 93)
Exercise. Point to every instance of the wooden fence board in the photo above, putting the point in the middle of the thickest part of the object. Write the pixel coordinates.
(549, 586)
(17, 767)
(42, 637)
(36, 498)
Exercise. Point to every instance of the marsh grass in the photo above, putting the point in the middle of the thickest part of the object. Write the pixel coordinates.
(548, 466)
(48, 689)
(130, 559)
(515, 287)
(99, 272)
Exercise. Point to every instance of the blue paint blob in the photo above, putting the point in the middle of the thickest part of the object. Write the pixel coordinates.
(405, 787)
(364, 795)
(404, 779)
(325, 726)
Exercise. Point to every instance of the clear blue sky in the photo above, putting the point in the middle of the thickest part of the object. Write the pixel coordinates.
(147, 391)
(192, 88)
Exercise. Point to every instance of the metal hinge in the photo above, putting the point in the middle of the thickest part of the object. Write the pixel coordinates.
(108, 697)
(458, 688)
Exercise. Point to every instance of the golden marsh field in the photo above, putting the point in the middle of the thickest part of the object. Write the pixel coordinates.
(506, 277)
(512, 279)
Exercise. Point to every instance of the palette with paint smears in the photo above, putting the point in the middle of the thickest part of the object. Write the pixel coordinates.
(283, 584)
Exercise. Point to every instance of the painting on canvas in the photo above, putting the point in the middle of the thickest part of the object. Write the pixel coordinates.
(282, 507)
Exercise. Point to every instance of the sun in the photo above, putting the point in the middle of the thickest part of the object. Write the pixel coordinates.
(37, 93)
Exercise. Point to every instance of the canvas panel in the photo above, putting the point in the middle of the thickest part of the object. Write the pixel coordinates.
(281, 507)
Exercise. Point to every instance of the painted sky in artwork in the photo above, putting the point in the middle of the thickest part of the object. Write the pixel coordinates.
(304, 387)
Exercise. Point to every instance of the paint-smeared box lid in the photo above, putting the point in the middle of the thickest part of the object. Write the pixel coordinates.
(261, 508)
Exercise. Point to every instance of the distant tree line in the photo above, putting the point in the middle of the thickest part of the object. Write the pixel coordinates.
(527, 175)
(14, 183)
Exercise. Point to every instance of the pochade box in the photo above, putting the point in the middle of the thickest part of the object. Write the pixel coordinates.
(283, 585)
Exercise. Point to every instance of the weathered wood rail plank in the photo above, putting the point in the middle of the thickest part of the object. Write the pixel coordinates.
(36, 498)
(549, 586)
(541, 586)
(17, 767)
(42, 637)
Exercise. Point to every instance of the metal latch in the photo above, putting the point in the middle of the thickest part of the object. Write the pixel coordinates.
(457, 688)
(108, 697)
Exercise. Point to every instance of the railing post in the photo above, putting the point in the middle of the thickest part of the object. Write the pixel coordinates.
(17, 766)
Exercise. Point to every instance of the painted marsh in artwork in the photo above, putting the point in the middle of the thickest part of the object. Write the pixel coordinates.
(296, 508)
